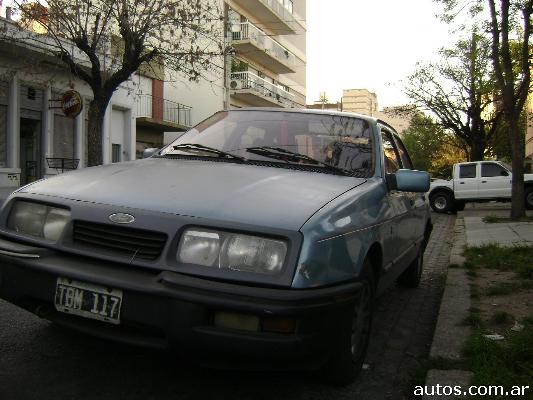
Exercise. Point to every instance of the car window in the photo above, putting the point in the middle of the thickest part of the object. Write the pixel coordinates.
(392, 158)
(406, 160)
(467, 171)
(338, 140)
(492, 169)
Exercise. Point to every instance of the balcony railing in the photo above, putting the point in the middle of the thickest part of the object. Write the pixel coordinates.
(248, 31)
(163, 110)
(250, 81)
(277, 15)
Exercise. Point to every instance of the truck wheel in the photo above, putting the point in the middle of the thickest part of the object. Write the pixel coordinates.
(411, 276)
(350, 345)
(441, 202)
(529, 198)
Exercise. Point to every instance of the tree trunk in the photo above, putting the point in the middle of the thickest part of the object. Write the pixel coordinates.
(477, 150)
(518, 208)
(97, 109)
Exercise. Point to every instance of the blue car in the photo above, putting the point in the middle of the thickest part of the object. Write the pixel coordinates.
(260, 234)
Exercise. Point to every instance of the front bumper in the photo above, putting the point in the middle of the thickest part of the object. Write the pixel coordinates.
(168, 310)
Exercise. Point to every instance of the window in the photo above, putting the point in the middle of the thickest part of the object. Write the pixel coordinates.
(489, 170)
(392, 159)
(467, 171)
(406, 160)
(339, 141)
(115, 153)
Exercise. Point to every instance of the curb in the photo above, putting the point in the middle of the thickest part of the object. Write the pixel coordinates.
(450, 332)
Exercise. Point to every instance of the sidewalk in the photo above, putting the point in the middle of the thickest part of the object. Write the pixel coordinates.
(479, 233)
(450, 332)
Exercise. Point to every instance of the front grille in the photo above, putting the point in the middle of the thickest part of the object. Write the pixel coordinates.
(125, 241)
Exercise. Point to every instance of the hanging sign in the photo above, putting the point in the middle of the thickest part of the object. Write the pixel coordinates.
(71, 103)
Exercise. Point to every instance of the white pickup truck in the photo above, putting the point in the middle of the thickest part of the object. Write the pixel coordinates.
(476, 182)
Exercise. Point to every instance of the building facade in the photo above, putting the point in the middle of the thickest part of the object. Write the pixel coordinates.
(360, 101)
(37, 139)
(268, 64)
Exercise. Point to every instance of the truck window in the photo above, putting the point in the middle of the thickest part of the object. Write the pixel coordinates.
(392, 159)
(492, 169)
(467, 171)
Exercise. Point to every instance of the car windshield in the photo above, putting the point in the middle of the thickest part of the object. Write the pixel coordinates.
(324, 140)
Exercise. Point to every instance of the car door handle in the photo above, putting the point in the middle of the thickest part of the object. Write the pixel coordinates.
(483, 181)
(461, 183)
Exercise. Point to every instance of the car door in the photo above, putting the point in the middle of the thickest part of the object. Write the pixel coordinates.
(466, 183)
(397, 243)
(495, 181)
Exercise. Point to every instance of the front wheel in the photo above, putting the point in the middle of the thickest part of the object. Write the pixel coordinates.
(349, 348)
(529, 198)
(441, 202)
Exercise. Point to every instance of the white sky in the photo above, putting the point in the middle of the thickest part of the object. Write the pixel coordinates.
(371, 44)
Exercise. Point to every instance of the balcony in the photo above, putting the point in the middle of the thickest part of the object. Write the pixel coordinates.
(162, 114)
(276, 15)
(259, 92)
(257, 46)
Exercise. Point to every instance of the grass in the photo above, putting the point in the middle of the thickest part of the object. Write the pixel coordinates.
(492, 219)
(502, 289)
(517, 259)
(508, 363)
(472, 319)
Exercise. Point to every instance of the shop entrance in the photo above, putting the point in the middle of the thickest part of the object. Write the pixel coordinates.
(30, 150)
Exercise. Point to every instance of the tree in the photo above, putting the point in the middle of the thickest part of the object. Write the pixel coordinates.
(430, 147)
(458, 91)
(104, 42)
(508, 22)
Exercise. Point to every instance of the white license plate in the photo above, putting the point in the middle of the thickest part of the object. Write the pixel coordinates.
(88, 300)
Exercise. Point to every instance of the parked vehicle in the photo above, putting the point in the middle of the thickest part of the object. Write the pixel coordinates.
(476, 182)
(260, 233)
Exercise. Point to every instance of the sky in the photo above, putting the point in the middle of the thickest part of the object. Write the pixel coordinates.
(371, 44)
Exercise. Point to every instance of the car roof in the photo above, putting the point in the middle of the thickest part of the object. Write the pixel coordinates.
(313, 111)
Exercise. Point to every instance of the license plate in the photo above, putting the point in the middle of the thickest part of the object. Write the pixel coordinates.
(88, 300)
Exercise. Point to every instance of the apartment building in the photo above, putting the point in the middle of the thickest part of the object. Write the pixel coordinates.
(360, 101)
(268, 67)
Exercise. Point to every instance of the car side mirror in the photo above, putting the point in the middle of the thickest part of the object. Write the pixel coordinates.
(406, 180)
(147, 153)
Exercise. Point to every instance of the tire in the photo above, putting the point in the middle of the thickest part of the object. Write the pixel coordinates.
(351, 343)
(529, 198)
(459, 205)
(441, 201)
(411, 276)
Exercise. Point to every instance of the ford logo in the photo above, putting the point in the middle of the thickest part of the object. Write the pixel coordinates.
(121, 218)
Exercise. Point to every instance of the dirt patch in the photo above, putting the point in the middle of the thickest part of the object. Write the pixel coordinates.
(504, 298)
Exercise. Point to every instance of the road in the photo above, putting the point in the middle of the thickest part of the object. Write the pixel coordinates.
(41, 361)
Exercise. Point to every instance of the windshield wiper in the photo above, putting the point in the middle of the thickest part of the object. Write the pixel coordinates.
(288, 156)
(195, 147)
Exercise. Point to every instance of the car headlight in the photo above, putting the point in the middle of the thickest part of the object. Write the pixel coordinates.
(38, 220)
(234, 251)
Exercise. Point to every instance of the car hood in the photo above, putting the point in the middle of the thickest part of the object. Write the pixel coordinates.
(243, 193)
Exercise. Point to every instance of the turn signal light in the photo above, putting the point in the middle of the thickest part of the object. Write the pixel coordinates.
(279, 324)
(241, 322)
